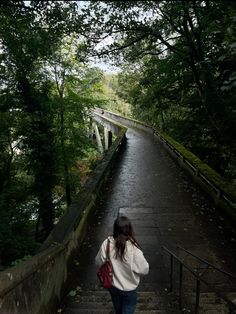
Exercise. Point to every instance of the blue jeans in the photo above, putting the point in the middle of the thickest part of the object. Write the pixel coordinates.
(124, 302)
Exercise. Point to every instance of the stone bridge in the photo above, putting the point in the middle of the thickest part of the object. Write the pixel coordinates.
(174, 204)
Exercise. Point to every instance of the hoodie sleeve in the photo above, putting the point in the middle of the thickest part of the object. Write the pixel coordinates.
(140, 265)
(101, 255)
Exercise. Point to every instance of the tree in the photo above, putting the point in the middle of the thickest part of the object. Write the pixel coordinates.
(29, 35)
(197, 34)
(46, 92)
(77, 86)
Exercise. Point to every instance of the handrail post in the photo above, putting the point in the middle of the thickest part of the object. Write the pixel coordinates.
(180, 285)
(171, 273)
(197, 297)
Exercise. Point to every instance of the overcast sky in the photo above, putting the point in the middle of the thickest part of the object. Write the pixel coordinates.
(106, 66)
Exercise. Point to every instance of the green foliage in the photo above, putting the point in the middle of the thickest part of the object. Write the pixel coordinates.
(45, 96)
(76, 90)
(17, 231)
(179, 74)
(179, 70)
(112, 99)
(20, 260)
(28, 38)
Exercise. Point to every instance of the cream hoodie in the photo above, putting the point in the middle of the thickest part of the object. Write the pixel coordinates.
(126, 274)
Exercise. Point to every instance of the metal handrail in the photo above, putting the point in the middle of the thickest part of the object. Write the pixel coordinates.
(231, 305)
(206, 262)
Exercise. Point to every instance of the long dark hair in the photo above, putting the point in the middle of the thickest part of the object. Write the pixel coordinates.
(122, 232)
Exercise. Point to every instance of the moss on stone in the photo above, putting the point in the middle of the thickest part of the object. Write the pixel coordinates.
(214, 177)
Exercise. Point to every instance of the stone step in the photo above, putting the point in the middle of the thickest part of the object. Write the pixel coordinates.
(149, 302)
(100, 296)
(108, 305)
(99, 301)
(210, 303)
(106, 293)
(211, 297)
(95, 299)
(144, 286)
(104, 311)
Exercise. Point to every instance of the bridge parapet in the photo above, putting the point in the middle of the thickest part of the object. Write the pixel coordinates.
(110, 127)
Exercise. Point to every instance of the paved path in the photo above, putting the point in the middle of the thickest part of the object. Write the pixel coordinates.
(166, 208)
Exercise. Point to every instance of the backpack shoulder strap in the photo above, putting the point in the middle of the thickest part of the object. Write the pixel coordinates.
(108, 249)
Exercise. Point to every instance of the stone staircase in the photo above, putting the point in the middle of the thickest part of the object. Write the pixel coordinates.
(99, 302)
(149, 302)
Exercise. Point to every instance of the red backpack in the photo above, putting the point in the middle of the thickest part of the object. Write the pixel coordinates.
(105, 272)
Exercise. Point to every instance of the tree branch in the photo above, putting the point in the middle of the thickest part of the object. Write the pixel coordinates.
(172, 48)
(121, 47)
(151, 53)
(178, 30)
(17, 5)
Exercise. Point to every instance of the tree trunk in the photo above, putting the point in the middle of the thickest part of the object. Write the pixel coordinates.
(67, 185)
(66, 170)
(39, 141)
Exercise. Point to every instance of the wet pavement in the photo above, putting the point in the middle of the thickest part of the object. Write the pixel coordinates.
(166, 208)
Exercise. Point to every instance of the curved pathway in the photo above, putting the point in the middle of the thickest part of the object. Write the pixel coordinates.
(165, 207)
